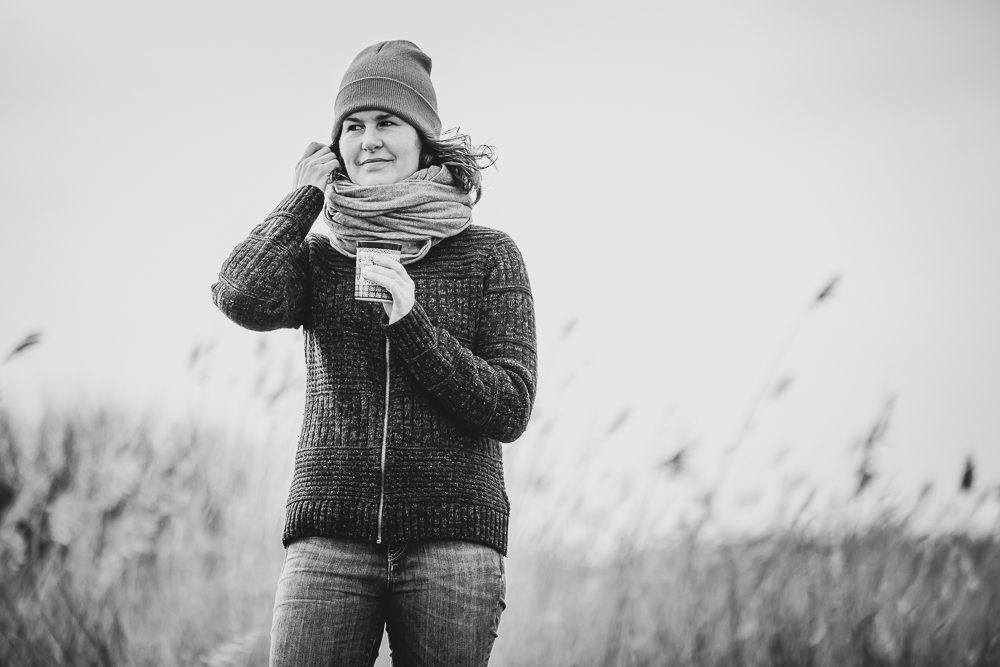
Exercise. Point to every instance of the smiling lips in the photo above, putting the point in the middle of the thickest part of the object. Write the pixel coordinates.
(374, 160)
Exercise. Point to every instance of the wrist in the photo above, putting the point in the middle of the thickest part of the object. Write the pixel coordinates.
(319, 185)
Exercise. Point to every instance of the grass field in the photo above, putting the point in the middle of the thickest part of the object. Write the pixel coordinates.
(122, 543)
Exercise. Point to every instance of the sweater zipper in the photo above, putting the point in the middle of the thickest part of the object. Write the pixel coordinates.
(385, 437)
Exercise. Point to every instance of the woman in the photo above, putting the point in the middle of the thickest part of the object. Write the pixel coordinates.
(397, 514)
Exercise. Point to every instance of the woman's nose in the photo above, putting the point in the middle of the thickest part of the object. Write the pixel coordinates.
(371, 142)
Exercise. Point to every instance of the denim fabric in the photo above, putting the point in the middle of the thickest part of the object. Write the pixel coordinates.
(439, 600)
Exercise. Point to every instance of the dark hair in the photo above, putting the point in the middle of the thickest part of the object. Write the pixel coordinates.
(464, 160)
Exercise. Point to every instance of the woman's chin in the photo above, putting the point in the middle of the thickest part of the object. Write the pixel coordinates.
(382, 174)
(374, 178)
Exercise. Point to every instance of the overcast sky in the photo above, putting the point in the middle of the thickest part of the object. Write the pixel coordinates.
(683, 179)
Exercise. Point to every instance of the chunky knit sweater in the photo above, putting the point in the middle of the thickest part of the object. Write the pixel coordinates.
(402, 424)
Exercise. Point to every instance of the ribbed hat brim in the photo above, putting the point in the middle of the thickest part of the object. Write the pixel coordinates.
(385, 94)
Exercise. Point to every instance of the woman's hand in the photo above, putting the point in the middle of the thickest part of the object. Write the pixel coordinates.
(315, 167)
(391, 275)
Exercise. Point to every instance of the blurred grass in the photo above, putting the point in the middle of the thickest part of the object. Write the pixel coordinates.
(122, 543)
(877, 598)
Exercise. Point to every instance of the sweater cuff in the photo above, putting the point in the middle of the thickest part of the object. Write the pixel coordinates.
(304, 204)
(413, 334)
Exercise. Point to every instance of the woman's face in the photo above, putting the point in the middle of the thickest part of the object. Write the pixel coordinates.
(378, 148)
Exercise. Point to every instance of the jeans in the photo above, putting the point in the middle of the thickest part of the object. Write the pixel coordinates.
(440, 601)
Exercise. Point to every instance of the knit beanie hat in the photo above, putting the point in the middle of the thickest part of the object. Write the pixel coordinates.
(392, 76)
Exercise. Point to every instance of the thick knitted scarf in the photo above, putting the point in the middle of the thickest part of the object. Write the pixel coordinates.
(418, 212)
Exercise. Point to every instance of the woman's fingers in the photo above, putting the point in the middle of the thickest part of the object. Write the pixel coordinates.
(389, 281)
(392, 265)
(325, 161)
(316, 165)
(391, 275)
(314, 147)
(383, 276)
(386, 260)
(373, 274)
(395, 291)
(322, 156)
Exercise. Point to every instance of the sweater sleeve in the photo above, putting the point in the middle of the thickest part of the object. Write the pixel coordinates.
(492, 389)
(263, 284)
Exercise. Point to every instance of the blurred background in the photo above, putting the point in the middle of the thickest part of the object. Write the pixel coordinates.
(762, 240)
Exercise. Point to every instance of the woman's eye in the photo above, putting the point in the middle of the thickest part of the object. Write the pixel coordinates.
(353, 127)
(387, 122)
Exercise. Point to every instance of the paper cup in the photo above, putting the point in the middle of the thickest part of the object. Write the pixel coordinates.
(366, 290)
